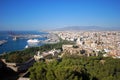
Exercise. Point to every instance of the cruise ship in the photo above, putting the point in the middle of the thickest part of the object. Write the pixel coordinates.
(33, 41)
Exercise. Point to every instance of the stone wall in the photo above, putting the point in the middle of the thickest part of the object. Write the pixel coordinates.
(17, 67)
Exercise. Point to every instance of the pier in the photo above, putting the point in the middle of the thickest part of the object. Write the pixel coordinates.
(2, 42)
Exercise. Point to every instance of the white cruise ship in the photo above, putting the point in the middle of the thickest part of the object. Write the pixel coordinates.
(33, 41)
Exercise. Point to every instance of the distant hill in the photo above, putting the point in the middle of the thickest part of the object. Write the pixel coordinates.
(89, 28)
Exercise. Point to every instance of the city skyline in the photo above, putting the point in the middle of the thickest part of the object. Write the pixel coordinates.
(52, 14)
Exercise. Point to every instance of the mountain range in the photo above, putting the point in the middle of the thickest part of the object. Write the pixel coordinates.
(89, 28)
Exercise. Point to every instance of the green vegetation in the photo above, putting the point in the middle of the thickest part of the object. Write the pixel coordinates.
(24, 55)
(100, 53)
(77, 68)
(19, 56)
(75, 46)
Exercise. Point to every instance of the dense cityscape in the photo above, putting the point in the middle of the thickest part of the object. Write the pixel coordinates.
(109, 41)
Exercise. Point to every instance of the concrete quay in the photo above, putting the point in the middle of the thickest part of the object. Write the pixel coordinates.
(2, 42)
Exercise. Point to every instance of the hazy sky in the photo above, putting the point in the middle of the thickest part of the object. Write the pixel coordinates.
(47, 14)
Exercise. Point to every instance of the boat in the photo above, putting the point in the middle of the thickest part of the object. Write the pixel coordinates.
(15, 38)
(33, 41)
(26, 46)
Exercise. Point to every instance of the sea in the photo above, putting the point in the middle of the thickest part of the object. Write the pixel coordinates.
(20, 43)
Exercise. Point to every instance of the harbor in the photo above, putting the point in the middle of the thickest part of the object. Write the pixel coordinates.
(21, 40)
(18, 41)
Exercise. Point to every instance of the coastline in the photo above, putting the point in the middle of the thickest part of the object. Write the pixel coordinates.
(8, 44)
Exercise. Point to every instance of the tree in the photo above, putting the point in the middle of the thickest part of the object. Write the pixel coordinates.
(77, 68)
(50, 75)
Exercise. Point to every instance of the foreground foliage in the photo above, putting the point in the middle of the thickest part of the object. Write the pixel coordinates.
(77, 68)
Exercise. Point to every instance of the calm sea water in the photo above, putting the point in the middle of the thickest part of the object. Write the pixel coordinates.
(20, 43)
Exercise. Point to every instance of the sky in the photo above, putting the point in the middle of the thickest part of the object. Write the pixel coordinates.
(52, 14)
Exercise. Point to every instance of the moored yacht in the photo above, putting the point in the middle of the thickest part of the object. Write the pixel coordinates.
(15, 38)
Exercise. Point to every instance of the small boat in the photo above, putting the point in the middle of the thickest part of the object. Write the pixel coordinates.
(15, 38)
(26, 46)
